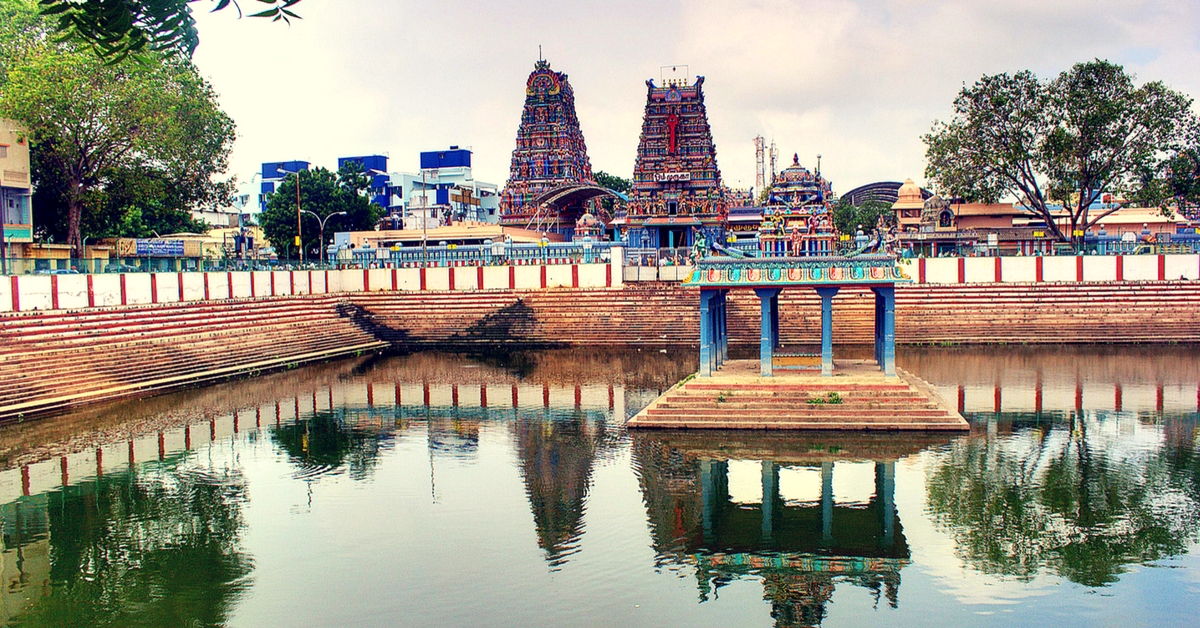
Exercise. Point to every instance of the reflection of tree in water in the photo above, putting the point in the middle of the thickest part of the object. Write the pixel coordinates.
(325, 443)
(159, 547)
(556, 461)
(1076, 498)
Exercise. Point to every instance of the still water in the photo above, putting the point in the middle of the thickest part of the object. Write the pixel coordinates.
(439, 490)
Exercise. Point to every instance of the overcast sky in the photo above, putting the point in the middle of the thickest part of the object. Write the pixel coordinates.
(857, 82)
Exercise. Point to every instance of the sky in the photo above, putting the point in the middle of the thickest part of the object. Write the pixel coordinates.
(858, 82)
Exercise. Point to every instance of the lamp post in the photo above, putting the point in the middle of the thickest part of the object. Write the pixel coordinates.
(298, 232)
(321, 225)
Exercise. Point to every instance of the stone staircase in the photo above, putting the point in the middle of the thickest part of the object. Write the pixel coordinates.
(866, 401)
(52, 360)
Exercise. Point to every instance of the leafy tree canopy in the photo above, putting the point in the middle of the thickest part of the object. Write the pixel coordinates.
(117, 29)
(613, 182)
(847, 217)
(323, 193)
(111, 141)
(1066, 142)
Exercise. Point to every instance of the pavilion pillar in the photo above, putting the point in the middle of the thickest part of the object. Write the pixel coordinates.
(885, 323)
(706, 332)
(714, 492)
(826, 504)
(885, 499)
(775, 321)
(770, 497)
(766, 342)
(827, 330)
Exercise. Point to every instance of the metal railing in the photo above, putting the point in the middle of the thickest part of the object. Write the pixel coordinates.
(498, 254)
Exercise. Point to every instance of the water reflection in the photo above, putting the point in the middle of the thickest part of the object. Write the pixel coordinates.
(557, 455)
(799, 548)
(1076, 466)
(154, 547)
(1083, 496)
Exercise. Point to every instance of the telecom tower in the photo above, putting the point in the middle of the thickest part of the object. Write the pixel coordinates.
(774, 159)
(760, 175)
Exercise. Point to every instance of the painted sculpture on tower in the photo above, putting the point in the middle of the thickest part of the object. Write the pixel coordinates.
(550, 153)
(677, 193)
(798, 216)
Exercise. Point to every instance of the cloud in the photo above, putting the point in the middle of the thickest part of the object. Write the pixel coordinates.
(857, 82)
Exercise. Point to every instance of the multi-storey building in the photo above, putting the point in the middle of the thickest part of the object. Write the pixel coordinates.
(16, 216)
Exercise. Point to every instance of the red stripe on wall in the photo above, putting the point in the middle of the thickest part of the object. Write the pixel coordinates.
(123, 297)
(921, 270)
(1038, 269)
(450, 270)
(1162, 267)
(179, 284)
(479, 276)
(1120, 268)
(422, 278)
(229, 284)
(574, 275)
(252, 282)
(54, 292)
(366, 280)
(272, 283)
(205, 286)
(543, 267)
(962, 270)
(154, 287)
(999, 271)
(608, 275)
(395, 279)
(91, 292)
(512, 277)
(1079, 268)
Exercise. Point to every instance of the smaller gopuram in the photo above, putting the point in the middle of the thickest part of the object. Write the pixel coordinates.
(798, 217)
(677, 192)
(550, 154)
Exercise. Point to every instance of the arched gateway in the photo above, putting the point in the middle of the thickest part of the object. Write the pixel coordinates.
(715, 276)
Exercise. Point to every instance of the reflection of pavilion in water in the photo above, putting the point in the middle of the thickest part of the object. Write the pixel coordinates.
(801, 549)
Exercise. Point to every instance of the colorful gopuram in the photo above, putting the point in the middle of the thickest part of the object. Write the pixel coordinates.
(798, 216)
(550, 153)
(677, 193)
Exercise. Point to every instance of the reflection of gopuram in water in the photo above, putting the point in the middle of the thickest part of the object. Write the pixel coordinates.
(557, 455)
(800, 549)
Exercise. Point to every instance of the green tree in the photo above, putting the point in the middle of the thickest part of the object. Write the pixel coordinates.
(323, 193)
(103, 126)
(613, 182)
(847, 217)
(120, 28)
(1065, 142)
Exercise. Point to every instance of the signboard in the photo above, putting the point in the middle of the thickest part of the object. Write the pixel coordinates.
(158, 248)
(672, 176)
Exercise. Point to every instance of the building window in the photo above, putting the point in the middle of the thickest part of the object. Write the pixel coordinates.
(3, 151)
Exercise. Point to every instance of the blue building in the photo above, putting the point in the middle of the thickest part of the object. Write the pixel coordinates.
(375, 167)
(273, 173)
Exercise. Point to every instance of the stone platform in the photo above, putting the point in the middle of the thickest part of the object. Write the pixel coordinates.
(737, 397)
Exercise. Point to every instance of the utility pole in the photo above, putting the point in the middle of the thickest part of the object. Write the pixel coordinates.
(425, 218)
(299, 245)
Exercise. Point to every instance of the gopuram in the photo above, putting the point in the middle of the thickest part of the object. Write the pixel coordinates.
(810, 391)
(550, 156)
(677, 193)
(798, 217)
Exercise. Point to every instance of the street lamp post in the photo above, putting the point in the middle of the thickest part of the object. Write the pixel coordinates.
(321, 222)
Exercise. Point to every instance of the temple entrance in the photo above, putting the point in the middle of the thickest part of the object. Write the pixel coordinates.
(672, 237)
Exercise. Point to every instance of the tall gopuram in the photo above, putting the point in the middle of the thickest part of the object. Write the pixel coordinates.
(550, 154)
(677, 192)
